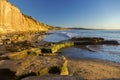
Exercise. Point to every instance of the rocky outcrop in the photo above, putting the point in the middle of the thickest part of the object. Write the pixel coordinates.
(12, 20)
(35, 65)
(92, 41)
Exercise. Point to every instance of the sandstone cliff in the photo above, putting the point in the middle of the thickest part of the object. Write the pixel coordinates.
(12, 20)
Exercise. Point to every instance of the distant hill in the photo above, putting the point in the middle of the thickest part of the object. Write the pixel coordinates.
(12, 20)
(83, 28)
(80, 28)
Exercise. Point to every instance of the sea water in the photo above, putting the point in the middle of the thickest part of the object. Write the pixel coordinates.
(104, 52)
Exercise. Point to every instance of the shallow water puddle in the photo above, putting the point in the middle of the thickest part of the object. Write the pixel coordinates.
(103, 52)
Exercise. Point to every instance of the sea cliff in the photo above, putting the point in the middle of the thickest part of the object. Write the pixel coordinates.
(13, 20)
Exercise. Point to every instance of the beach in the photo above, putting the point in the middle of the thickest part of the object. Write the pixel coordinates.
(95, 69)
(86, 69)
(26, 62)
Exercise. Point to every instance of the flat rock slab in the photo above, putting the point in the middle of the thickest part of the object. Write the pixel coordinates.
(31, 64)
(92, 41)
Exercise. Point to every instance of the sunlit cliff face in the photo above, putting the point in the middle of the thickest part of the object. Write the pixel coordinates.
(12, 20)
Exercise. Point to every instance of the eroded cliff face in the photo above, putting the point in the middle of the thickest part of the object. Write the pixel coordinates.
(12, 20)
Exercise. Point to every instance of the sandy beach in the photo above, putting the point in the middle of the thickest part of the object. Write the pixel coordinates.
(94, 69)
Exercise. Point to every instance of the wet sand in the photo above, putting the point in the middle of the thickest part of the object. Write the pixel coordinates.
(94, 69)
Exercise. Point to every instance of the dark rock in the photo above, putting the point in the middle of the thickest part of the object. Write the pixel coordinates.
(92, 41)
(43, 50)
(84, 43)
(7, 74)
(86, 39)
(54, 70)
(111, 42)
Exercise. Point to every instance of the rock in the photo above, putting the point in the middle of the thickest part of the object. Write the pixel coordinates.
(54, 47)
(64, 69)
(111, 42)
(86, 40)
(34, 51)
(1, 42)
(6, 41)
(84, 43)
(6, 74)
(22, 54)
(92, 41)
(12, 20)
(17, 55)
(19, 46)
(37, 65)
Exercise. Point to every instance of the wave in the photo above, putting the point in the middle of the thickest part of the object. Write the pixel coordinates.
(95, 48)
(105, 49)
(68, 34)
(59, 36)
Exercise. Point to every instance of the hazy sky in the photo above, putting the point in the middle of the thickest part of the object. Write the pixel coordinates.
(73, 13)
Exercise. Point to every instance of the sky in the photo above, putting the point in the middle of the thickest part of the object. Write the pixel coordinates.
(97, 14)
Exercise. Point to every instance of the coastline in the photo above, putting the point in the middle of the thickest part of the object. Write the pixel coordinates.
(78, 69)
(93, 68)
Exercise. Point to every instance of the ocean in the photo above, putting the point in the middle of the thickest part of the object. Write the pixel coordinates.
(103, 52)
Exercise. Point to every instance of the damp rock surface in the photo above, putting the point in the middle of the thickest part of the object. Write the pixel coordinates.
(37, 65)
